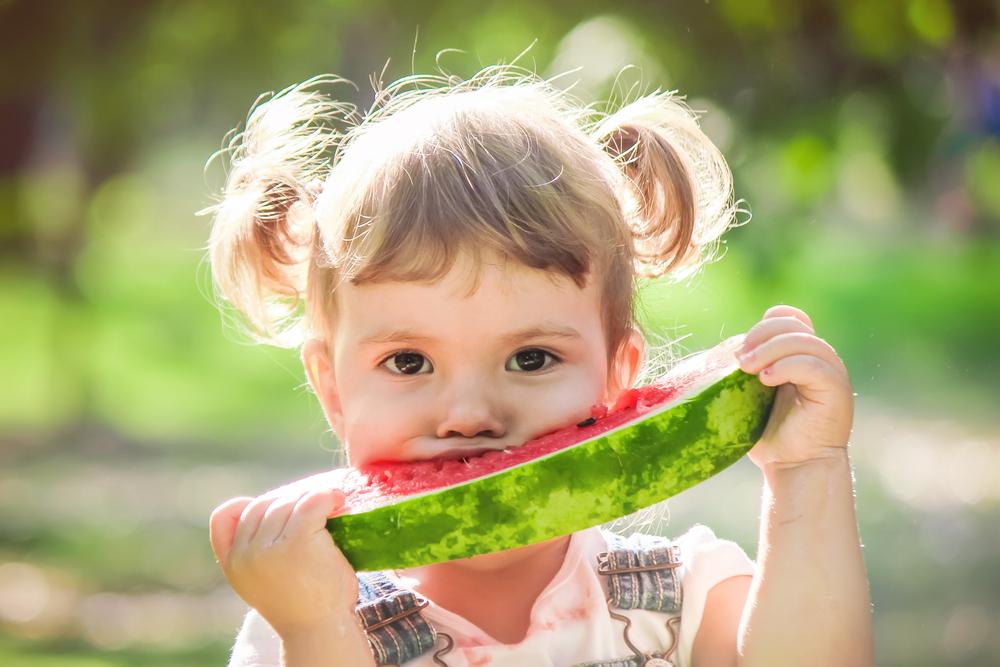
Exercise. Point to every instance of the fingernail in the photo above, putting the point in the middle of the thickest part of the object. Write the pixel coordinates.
(744, 353)
(766, 371)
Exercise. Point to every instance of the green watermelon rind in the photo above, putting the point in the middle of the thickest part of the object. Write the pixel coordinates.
(619, 472)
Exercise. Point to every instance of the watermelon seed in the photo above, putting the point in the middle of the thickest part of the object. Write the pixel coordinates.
(587, 422)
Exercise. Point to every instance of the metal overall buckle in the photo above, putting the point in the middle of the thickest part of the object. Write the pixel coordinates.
(604, 566)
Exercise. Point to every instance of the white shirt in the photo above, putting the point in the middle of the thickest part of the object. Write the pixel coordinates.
(570, 623)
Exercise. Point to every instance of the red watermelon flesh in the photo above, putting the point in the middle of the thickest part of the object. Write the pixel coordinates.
(384, 483)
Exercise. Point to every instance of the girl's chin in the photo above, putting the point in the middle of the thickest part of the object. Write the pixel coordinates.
(511, 557)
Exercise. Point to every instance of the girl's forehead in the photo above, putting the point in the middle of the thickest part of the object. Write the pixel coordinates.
(487, 275)
(496, 293)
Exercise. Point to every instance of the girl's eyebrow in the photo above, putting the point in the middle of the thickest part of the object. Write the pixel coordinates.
(409, 337)
(385, 336)
(540, 331)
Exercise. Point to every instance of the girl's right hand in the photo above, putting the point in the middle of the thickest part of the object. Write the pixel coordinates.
(278, 556)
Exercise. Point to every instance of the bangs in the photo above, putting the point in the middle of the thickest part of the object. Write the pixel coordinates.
(474, 182)
(497, 197)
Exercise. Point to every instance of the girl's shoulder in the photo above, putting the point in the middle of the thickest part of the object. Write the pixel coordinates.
(708, 559)
(698, 545)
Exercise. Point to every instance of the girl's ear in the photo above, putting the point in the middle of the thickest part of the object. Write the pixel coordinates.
(626, 364)
(319, 370)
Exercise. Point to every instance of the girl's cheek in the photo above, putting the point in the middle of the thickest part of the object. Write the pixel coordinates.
(366, 443)
(568, 403)
(379, 428)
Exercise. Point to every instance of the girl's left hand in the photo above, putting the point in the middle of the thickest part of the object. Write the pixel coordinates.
(814, 408)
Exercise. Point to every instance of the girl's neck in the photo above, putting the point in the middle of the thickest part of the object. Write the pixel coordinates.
(495, 592)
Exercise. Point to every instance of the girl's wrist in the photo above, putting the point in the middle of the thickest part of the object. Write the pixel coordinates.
(337, 639)
(783, 477)
(334, 624)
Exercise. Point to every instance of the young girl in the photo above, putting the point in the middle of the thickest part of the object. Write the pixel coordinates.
(460, 265)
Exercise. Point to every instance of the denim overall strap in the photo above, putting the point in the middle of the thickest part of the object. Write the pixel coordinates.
(642, 574)
(636, 588)
(396, 630)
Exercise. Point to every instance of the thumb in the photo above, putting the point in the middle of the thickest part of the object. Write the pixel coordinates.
(222, 526)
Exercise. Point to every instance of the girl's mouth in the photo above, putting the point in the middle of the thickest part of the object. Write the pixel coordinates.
(461, 453)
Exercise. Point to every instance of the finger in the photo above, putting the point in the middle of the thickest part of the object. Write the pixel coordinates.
(789, 311)
(274, 521)
(222, 526)
(312, 511)
(787, 345)
(810, 374)
(771, 327)
(250, 520)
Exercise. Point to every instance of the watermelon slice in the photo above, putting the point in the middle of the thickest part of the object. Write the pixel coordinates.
(653, 443)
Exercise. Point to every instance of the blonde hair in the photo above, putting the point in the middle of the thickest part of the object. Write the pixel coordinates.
(503, 165)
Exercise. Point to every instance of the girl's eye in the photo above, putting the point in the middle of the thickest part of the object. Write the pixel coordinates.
(408, 363)
(529, 360)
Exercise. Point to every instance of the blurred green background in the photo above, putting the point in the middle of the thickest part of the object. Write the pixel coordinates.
(865, 140)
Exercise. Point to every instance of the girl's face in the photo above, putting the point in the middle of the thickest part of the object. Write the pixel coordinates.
(422, 371)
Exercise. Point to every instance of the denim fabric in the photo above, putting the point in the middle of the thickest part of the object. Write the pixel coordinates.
(402, 640)
(656, 590)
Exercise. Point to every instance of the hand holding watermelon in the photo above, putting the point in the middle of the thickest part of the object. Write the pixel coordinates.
(810, 589)
(277, 555)
(814, 407)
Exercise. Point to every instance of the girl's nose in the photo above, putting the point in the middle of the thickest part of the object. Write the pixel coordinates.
(471, 412)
